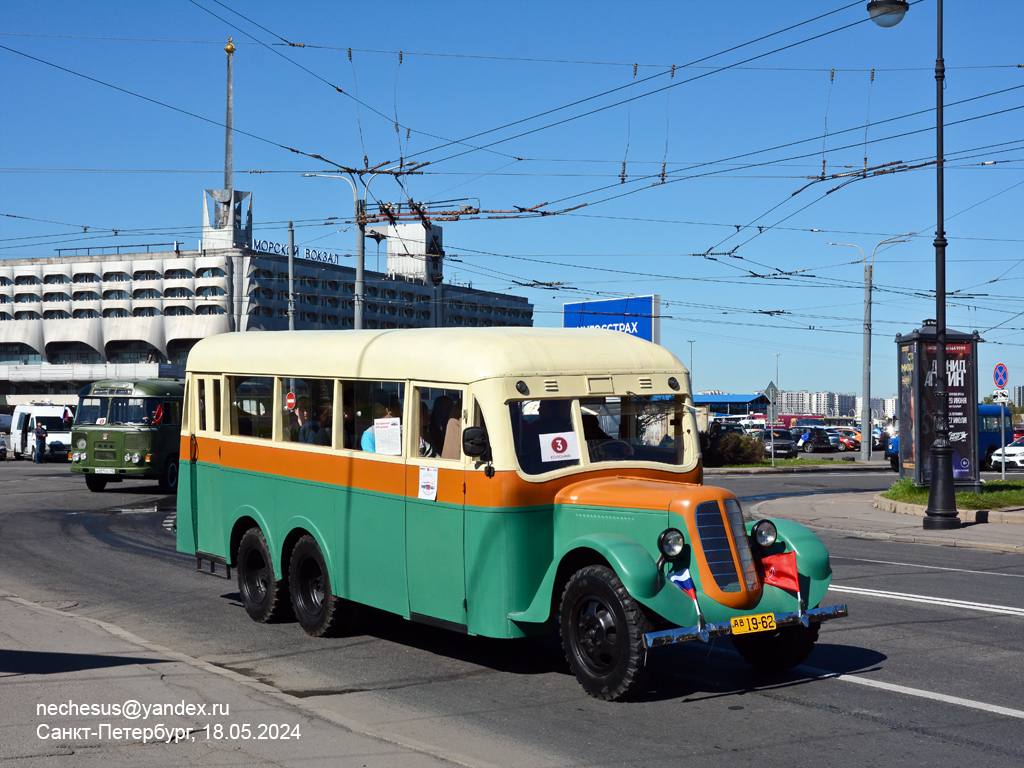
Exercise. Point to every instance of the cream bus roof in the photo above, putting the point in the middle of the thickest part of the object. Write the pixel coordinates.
(439, 354)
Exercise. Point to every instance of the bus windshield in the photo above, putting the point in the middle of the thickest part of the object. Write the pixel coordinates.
(114, 411)
(634, 428)
(91, 410)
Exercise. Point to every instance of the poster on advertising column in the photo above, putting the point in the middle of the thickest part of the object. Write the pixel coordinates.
(908, 453)
(961, 379)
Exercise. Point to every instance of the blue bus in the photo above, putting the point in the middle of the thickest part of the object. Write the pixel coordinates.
(988, 436)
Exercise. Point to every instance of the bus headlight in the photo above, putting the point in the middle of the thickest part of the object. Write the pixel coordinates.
(83, 456)
(74, 456)
(670, 543)
(80, 445)
(127, 458)
(136, 459)
(764, 533)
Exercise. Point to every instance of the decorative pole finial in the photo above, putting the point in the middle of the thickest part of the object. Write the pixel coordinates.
(229, 48)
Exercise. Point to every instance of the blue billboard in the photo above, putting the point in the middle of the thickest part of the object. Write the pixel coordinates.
(635, 315)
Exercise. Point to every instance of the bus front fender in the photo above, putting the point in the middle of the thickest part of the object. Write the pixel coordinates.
(632, 564)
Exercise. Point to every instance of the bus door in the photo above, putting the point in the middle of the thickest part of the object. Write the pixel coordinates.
(204, 472)
(435, 506)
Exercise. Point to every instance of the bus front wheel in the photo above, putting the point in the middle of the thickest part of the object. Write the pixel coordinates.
(602, 631)
(319, 612)
(264, 597)
(95, 483)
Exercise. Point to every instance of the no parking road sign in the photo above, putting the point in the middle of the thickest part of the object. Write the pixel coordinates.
(1001, 375)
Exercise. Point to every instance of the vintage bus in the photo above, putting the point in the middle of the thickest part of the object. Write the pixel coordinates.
(128, 429)
(495, 481)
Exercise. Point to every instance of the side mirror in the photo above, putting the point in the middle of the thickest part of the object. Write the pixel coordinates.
(475, 443)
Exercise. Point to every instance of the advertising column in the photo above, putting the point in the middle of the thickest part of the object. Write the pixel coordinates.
(918, 370)
(963, 410)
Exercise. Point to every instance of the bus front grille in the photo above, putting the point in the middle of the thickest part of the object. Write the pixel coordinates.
(714, 540)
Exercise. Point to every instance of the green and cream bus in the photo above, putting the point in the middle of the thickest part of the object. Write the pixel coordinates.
(499, 482)
(128, 429)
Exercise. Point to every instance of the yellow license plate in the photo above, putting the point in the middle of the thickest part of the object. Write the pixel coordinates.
(763, 622)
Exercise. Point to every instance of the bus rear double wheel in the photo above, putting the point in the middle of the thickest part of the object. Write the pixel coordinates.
(320, 612)
(265, 597)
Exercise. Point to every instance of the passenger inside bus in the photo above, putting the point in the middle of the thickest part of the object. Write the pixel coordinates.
(384, 407)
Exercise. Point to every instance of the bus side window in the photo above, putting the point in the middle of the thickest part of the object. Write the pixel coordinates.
(311, 418)
(348, 415)
(378, 404)
(202, 405)
(216, 405)
(439, 422)
(251, 401)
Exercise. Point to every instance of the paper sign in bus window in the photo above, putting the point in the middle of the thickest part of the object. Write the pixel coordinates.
(559, 446)
(387, 436)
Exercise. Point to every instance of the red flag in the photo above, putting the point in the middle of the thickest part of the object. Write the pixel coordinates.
(780, 571)
(159, 414)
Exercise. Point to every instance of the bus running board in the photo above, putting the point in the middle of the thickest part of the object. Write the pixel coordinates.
(213, 560)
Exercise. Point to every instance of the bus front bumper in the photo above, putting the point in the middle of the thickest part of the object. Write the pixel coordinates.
(705, 631)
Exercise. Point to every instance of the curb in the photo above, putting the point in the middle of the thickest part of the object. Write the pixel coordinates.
(965, 515)
(841, 465)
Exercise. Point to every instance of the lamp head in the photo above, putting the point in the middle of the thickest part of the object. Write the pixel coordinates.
(887, 13)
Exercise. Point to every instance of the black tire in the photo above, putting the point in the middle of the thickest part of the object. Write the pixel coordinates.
(265, 598)
(988, 465)
(95, 482)
(779, 650)
(320, 613)
(602, 631)
(169, 477)
(809, 446)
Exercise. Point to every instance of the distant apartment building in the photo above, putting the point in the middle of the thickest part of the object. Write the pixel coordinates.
(1018, 397)
(834, 404)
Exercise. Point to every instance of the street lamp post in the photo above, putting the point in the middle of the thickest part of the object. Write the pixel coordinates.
(941, 513)
(360, 213)
(866, 433)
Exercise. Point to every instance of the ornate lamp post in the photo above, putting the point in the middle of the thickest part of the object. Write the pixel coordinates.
(941, 512)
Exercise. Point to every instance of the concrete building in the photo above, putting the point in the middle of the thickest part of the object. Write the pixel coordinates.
(69, 320)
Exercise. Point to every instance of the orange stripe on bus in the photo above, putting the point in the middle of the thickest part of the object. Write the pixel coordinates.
(506, 489)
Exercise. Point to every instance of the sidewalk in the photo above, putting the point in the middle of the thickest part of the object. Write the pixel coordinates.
(77, 691)
(866, 515)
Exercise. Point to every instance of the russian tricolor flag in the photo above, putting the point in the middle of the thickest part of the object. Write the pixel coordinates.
(684, 582)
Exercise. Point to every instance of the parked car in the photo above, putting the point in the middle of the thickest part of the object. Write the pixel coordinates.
(892, 452)
(781, 442)
(846, 443)
(1012, 455)
(3, 449)
(816, 439)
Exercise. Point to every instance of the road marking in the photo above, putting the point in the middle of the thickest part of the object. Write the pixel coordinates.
(170, 520)
(943, 601)
(932, 567)
(970, 703)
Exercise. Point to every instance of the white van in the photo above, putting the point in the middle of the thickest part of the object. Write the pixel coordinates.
(57, 421)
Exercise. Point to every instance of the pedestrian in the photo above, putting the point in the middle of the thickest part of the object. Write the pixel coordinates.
(40, 435)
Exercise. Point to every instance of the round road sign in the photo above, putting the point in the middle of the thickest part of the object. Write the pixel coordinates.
(1001, 375)
(289, 401)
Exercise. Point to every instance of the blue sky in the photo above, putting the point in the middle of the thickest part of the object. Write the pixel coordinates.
(111, 118)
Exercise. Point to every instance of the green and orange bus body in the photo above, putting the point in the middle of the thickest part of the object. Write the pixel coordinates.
(513, 480)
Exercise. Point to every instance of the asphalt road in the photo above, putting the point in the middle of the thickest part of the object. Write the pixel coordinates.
(915, 678)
